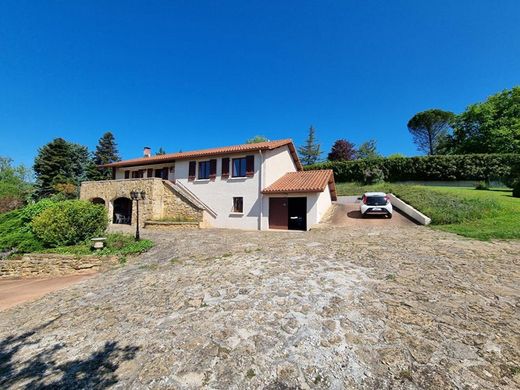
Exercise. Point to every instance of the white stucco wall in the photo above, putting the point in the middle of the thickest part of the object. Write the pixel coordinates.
(218, 194)
(277, 163)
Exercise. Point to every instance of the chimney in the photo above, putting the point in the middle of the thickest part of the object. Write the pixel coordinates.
(147, 152)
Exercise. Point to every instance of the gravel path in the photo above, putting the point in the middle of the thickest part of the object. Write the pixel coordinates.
(388, 307)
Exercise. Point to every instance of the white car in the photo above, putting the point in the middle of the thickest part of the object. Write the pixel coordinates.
(375, 203)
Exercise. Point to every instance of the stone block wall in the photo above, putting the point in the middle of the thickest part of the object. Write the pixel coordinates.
(161, 201)
(50, 264)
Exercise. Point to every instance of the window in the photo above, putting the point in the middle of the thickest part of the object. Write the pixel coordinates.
(204, 168)
(239, 167)
(238, 204)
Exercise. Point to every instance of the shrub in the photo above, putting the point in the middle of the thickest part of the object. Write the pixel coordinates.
(516, 188)
(69, 222)
(446, 167)
(482, 185)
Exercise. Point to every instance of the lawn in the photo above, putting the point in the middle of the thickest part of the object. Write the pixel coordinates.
(480, 214)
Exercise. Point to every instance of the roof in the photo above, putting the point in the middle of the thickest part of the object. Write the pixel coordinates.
(243, 148)
(304, 181)
(374, 194)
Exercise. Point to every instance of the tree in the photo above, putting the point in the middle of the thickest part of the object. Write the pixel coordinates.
(160, 152)
(342, 150)
(367, 149)
(310, 152)
(428, 127)
(106, 152)
(492, 126)
(59, 162)
(14, 185)
(256, 139)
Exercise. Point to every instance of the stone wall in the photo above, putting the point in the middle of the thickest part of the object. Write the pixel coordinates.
(160, 202)
(167, 226)
(50, 264)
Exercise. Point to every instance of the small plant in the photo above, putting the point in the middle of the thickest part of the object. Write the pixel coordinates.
(482, 185)
(405, 374)
(250, 373)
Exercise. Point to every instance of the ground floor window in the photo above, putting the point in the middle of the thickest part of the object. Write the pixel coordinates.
(238, 204)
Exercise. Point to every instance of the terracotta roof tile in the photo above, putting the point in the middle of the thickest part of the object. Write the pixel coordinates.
(269, 145)
(304, 181)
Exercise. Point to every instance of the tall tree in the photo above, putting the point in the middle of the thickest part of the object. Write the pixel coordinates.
(256, 139)
(106, 152)
(59, 162)
(342, 150)
(310, 152)
(160, 152)
(429, 127)
(14, 185)
(492, 126)
(368, 149)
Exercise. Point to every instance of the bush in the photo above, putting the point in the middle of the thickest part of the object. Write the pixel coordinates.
(484, 167)
(69, 222)
(516, 188)
(15, 228)
(482, 185)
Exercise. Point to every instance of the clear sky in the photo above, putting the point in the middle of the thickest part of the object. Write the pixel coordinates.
(195, 74)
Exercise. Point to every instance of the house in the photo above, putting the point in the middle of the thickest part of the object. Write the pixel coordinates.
(250, 186)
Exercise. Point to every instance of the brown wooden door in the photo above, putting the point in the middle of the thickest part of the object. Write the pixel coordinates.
(278, 213)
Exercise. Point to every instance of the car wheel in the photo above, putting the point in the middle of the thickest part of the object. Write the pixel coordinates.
(389, 215)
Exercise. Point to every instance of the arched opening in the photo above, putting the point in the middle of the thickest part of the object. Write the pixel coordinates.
(99, 201)
(122, 211)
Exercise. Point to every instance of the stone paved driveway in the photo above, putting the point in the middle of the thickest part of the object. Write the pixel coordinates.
(331, 308)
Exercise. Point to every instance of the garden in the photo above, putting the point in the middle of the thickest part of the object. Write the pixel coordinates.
(65, 227)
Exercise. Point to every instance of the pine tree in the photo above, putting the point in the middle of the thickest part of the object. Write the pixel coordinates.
(310, 152)
(59, 162)
(160, 152)
(106, 153)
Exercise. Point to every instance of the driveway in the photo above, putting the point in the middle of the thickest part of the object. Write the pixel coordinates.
(16, 291)
(345, 212)
(370, 308)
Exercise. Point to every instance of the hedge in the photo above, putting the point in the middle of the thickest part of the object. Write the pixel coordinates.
(477, 167)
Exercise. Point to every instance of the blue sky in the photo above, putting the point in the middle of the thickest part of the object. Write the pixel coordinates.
(195, 74)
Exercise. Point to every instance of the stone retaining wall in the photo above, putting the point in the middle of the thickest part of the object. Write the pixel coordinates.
(166, 226)
(50, 264)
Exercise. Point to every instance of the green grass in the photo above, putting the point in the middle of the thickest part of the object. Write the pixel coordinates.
(116, 245)
(480, 214)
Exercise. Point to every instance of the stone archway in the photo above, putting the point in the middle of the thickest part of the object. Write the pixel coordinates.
(99, 201)
(122, 211)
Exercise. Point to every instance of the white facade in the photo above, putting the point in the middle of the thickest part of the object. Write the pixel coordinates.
(218, 193)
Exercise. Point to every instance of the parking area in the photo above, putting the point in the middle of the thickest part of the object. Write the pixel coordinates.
(345, 212)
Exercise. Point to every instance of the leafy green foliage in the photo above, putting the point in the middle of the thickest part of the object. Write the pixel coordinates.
(256, 139)
(69, 222)
(428, 128)
(450, 167)
(160, 152)
(482, 185)
(14, 186)
(310, 152)
(116, 244)
(516, 188)
(367, 149)
(106, 153)
(59, 162)
(492, 126)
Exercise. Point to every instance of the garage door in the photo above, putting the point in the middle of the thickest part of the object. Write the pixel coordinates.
(278, 213)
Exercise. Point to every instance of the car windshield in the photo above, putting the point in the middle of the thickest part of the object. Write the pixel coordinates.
(375, 201)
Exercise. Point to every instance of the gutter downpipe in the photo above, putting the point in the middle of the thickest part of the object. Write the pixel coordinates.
(261, 180)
